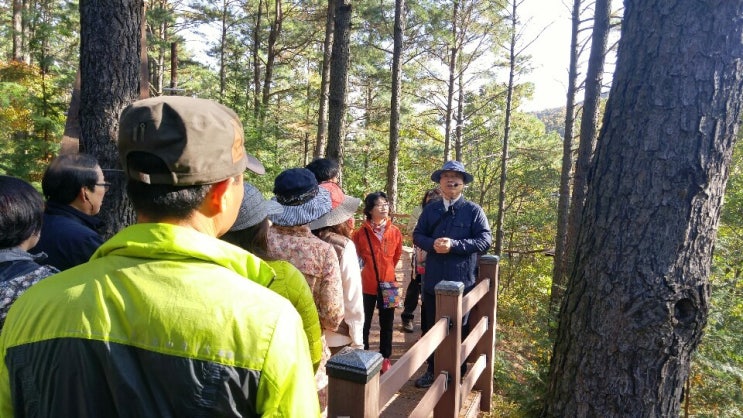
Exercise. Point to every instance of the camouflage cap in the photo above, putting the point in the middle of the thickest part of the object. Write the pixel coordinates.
(199, 140)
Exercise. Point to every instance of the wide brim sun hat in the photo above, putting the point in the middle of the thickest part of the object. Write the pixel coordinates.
(303, 201)
(452, 166)
(254, 208)
(341, 213)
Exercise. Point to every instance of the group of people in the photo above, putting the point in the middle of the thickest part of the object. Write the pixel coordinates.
(42, 236)
(159, 320)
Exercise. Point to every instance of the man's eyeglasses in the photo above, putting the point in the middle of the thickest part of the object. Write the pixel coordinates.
(104, 185)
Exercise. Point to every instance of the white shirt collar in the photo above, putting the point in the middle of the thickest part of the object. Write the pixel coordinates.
(448, 202)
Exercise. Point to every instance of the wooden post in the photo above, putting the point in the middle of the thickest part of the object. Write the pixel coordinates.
(353, 384)
(487, 307)
(448, 356)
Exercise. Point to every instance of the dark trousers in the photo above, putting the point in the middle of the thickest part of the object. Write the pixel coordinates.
(411, 300)
(386, 317)
(427, 321)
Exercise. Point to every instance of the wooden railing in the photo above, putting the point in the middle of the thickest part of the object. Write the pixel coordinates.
(356, 389)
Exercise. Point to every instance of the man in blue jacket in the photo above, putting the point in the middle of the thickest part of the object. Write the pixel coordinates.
(453, 231)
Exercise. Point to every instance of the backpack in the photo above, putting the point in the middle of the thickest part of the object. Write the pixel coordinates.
(12, 269)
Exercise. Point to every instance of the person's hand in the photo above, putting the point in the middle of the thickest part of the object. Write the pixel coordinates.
(442, 245)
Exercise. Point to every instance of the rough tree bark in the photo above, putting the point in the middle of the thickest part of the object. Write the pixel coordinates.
(637, 300)
(394, 148)
(322, 111)
(589, 121)
(339, 61)
(110, 80)
(560, 266)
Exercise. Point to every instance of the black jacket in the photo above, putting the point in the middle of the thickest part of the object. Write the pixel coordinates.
(68, 237)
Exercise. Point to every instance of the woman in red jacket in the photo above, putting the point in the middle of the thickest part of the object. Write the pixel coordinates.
(379, 246)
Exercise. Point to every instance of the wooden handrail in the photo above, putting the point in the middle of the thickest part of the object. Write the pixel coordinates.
(432, 396)
(475, 295)
(468, 382)
(356, 388)
(476, 334)
(391, 382)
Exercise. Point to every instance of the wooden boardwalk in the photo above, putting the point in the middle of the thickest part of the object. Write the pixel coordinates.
(407, 398)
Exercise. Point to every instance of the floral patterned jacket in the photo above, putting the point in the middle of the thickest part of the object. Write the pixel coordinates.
(317, 260)
(18, 271)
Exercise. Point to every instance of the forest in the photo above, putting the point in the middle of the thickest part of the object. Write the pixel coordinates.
(581, 199)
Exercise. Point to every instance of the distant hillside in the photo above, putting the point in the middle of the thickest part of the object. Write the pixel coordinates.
(553, 119)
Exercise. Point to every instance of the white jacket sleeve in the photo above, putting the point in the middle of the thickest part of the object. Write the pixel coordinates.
(353, 302)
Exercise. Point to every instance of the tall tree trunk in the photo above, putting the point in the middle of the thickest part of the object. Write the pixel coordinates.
(174, 67)
(110, 80)
(308, 146)
(162, 42)
(144, 68)
(255, 52)
(498, 247)
(223, 52)
(560, 266)
(394, 148)
(589, 122)
(18, 43)
(21, 29)
(369, 146)
(322, 111)
(458, 141)
(273, 36)
(453, 50)
(339, 81)
(638, 297)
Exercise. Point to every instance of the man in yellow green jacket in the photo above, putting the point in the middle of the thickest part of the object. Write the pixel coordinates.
(249, 232)
(161, 322)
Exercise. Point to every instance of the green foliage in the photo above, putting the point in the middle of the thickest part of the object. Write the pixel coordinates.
(35, 94)
(523, 348)
(716, 380)
(30, 121)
